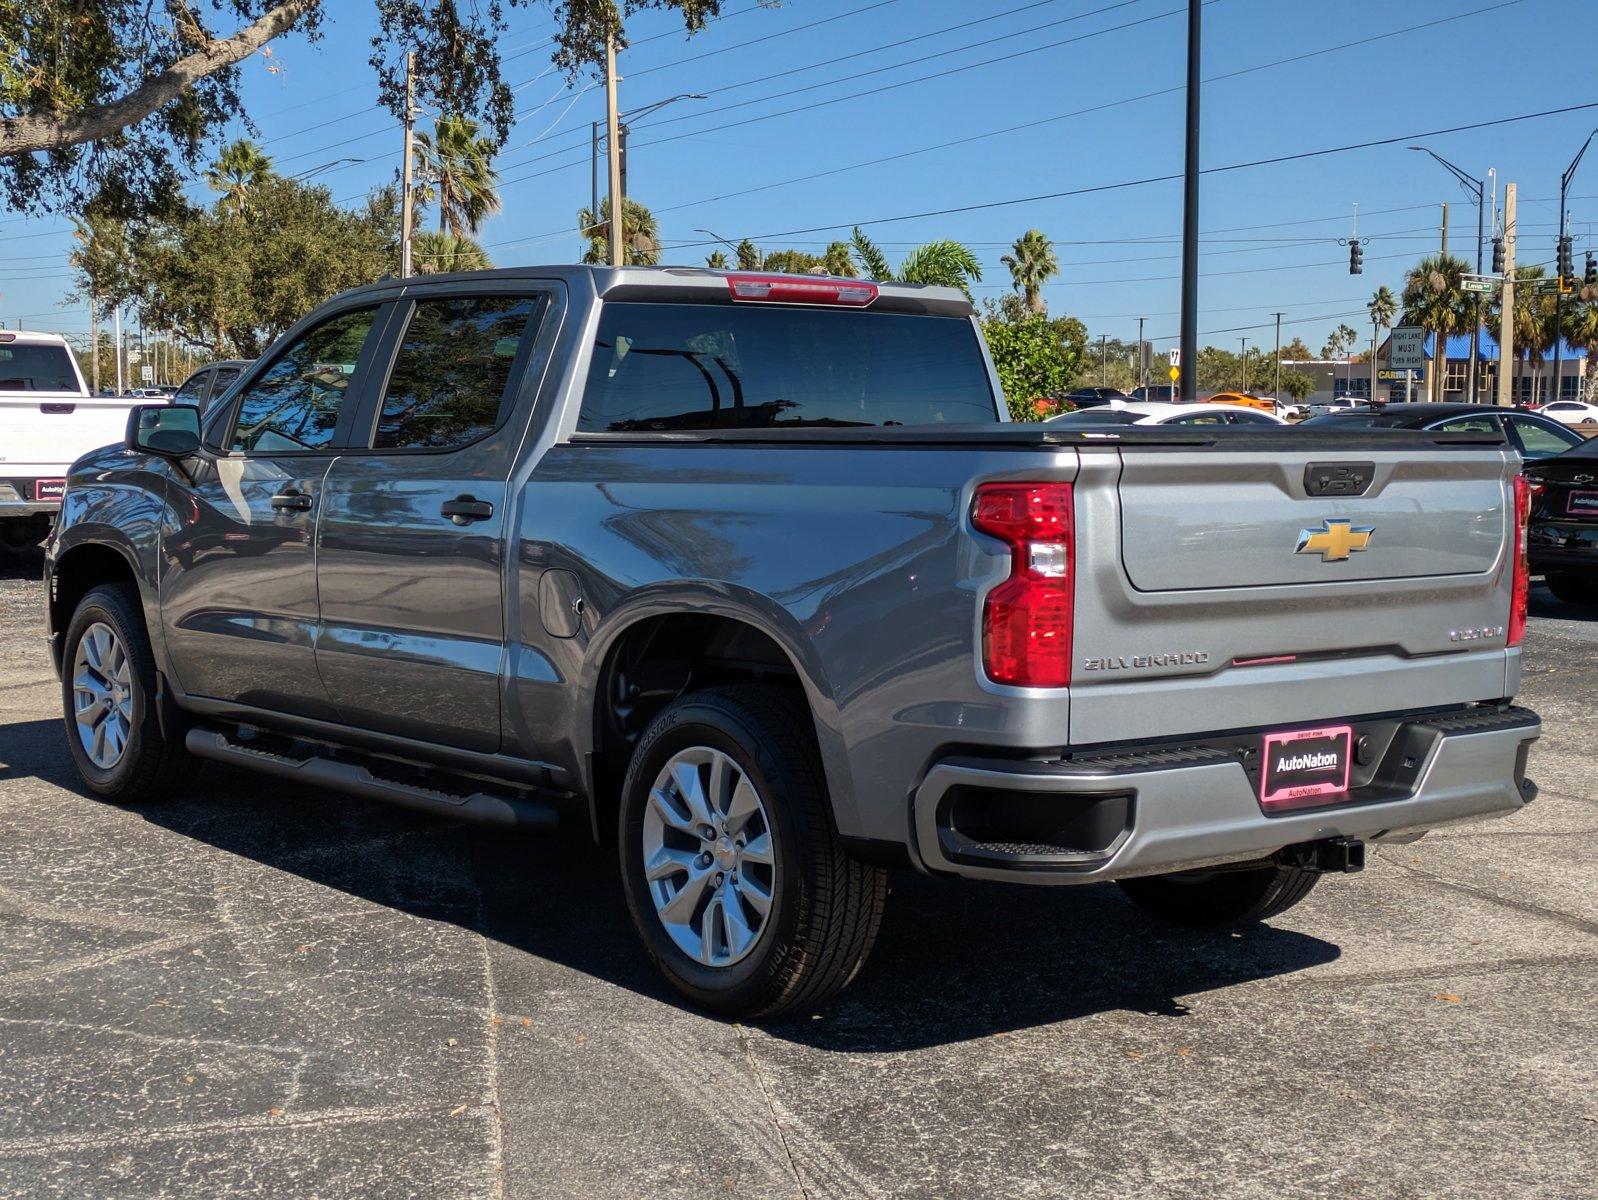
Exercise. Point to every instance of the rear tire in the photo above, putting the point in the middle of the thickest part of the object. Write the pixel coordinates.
(1573, 589)
(742, 758)
(108, 701)
(1218, 899)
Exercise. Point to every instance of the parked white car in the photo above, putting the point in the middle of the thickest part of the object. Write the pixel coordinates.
(1156, 412)
(47, 420)
(1571, 412)
(1337, 404)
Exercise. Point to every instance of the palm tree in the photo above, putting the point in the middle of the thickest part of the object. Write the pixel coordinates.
(1533, 321)
(1031, 266)
(236, 170)
(717, 261)
(1382, 308)
(456, 167)
(942, 263)
(838, 260)
(749, 256)
(437, 253)
(1434, 299)
(640, 239)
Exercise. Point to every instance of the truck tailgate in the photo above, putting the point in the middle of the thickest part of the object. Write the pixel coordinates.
(1216, 591)
(41, 433)
(1225, 518)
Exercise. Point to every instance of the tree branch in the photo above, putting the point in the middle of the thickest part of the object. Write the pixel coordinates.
(24, 135)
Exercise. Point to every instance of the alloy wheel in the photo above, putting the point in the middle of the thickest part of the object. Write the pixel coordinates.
(708, 856)
(102, 695)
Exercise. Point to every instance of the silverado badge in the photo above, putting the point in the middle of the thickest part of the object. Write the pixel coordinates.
(1335, 540)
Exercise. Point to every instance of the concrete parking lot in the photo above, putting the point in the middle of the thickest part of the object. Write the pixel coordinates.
(258, 992)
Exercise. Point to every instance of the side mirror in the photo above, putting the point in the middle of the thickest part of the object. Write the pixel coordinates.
(169, 430)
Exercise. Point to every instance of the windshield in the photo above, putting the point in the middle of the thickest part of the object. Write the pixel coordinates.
(720, 366)
(26, 368)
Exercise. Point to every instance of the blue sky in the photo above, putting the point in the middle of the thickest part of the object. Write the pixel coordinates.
(780, 107)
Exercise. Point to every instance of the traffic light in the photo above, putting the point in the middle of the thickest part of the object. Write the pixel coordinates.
(1356, 258)
(1498, 256)
(1591, 277)
(1566, 270)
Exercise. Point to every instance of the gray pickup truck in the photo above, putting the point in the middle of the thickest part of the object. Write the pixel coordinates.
(750, 575)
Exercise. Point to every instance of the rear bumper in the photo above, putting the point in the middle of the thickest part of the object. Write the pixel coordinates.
(18, 501)
(1562, 546)
(1148, 812)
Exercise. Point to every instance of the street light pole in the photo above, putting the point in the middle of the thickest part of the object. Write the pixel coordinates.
(1559, 295)
(613, 134)
(1277, 390)
(1190, 210)
(407, 203)
(1104, 360)
(1469, 181)
(1142, 359)
(595, 141)
(1244, 357)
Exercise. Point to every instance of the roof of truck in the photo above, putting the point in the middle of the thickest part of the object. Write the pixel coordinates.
(27, 337)
(684, 284)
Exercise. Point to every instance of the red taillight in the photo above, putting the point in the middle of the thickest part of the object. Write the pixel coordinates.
(1522, 588)
(785, 289)
(1026, 623)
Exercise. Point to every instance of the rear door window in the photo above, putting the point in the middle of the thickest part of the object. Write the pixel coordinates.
(1483, 424)
(1541, 439)
(453, 370)
(193, 389)
(659, 367)
(295, 404)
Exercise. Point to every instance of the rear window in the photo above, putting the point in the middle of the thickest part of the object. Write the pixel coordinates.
(1348, 420)
(36, 369)
(1095, 416)
(719, 366)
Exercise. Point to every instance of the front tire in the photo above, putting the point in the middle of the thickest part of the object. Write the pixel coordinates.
(1572, 589)
(108, 701)
(1223, 898)
(736, 882)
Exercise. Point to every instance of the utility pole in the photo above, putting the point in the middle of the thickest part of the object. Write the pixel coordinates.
(613, 136)
(407, 215)
(1559, 296)
(593, 172)
(1375, 334)
(1104, 360)
(1445, 230)
(1190, 212)
(1142, 358)
(94, 346)
(116, 325)
(1473, 388)
(1244, 357)
(1277, 391)
(1506, 320)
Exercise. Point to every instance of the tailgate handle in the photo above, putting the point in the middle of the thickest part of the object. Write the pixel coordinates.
(1338, 478)
(57, 410)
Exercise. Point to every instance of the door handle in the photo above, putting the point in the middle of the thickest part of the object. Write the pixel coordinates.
(298, 501)
(464, 509)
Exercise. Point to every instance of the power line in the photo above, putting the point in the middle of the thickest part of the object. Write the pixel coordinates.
(1167, 178)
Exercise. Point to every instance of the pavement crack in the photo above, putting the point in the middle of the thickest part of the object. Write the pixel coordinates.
(771, 1108)
(1520, 906)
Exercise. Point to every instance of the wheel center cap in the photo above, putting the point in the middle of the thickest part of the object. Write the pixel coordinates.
(725, 853)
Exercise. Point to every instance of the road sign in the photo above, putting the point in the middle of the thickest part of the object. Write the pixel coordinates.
(1406, 349)
(1175, 355)
(1484, 285)
(147, 372)
(1175, 373)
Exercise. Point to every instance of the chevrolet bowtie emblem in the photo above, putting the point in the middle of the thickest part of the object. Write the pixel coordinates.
(1335, 540)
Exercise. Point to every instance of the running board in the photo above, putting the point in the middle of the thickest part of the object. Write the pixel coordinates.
(480, 808)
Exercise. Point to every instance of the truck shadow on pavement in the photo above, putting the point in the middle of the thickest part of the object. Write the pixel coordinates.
(955, 960)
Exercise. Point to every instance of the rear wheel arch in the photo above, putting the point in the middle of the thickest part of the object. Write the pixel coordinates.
(660, 655)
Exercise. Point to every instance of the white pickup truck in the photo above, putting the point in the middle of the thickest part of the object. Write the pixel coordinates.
(47, 419)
